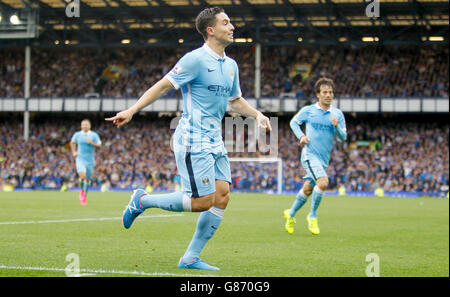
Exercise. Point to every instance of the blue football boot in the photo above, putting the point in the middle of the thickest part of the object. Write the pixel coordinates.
(197, 263)
(133, 209)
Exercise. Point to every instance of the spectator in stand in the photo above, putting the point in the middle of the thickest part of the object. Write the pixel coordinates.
(366, 71)
(401, 162)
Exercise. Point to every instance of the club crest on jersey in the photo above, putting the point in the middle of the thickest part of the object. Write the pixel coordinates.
(205, 181)
(232, 74)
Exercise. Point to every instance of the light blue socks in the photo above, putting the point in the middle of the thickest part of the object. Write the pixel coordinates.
(87, 185)
(300, 200)
(176, 201)
(207, 224)
(84, 186)
(316, 198)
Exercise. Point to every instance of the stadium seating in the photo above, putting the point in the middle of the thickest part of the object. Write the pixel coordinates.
(367, 71)
(393, 154)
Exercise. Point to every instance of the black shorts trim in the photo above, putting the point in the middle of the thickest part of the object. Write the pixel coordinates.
(191, 175)
(310, 169)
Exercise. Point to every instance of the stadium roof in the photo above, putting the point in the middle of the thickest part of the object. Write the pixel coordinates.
(163, 22)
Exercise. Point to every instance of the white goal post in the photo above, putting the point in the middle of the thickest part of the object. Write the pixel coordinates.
(279, 162)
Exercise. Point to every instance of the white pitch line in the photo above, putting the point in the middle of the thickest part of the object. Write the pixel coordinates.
(95, 271)
(85, 220)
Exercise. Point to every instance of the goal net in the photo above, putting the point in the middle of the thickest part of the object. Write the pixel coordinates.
(257, 174)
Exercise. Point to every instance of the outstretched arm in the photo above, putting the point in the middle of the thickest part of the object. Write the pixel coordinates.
(156, 91)
(241, 106)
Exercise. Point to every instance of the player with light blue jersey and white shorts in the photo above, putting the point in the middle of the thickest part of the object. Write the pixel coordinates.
(209, 81)
(323, 122)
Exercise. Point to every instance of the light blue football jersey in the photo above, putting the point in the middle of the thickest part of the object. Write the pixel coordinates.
(320, 130)
(208, 82)
(86, 152)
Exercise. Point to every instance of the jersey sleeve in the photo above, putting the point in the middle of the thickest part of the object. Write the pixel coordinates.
(96, 139)
(299, 118)
(341, 129)
(236, 90)
(75, 138)
(184, 71)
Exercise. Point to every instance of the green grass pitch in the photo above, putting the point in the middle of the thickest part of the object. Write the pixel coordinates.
(40, 229)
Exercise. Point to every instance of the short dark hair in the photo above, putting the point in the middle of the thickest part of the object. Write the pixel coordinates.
(207, 18)
(323, 81)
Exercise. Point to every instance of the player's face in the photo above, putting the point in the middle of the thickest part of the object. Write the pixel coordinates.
(325, 95)
(85, 126)
(223, 29)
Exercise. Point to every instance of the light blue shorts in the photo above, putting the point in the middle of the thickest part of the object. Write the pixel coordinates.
(200, 170)
(314, 169)
(86, 167)
(200, 166)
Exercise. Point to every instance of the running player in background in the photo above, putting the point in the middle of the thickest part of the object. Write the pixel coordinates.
(83, 146)
(322, 122)
(209, 81)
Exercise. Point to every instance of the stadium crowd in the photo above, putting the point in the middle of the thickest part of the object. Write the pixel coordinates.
(395, 155)
(366, 71)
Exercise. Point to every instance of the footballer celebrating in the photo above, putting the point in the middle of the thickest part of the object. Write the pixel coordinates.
(209, 81)
(322, 122)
